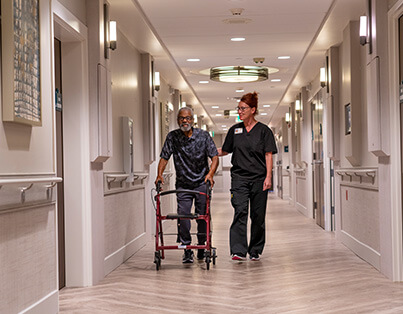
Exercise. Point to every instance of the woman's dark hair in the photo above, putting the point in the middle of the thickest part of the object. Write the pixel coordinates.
(251, 100)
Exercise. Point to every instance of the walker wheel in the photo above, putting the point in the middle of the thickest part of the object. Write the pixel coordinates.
(214, 255)
(157, 260)
(208, 262)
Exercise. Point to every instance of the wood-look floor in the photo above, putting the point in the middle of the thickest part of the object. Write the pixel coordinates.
(303, 270)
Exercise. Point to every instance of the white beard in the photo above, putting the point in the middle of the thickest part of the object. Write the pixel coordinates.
(186, 128)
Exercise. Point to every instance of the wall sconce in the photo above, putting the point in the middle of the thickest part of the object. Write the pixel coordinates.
(366, 28)
(157, 81)
(183, 104)
(110, 32)
(287, 117)
(323, 77)
(195, 118)
(298, 105)
(363, 30)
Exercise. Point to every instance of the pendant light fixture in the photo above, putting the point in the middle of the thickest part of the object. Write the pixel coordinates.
(239, 74)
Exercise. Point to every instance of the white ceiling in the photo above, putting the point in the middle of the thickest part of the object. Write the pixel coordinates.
(182, 29)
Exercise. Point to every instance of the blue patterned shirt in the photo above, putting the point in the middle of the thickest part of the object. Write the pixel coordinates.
(190, 156)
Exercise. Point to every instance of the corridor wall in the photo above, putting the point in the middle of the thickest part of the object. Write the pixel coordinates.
(124, 203)
(28, 249)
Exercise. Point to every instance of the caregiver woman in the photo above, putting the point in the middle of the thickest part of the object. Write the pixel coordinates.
(252, 145)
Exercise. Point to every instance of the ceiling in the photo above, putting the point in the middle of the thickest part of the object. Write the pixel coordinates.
(176, 30)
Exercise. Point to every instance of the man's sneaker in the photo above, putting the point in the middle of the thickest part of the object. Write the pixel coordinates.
(238, 257)
(254, 256)
(200, 254)
(187, 257)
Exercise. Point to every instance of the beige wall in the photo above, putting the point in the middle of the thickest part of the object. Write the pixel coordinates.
(77, 7)
(28, 255)
(126, 101)
(25, 149)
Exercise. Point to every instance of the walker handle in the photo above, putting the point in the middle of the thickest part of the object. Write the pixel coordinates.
(158, 186)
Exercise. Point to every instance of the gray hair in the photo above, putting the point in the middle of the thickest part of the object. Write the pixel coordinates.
(187, 109)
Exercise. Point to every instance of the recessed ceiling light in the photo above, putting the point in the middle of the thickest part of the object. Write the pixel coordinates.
(275, 80)
(218, 115)
(203, 82)
(263, 114)
(193, 60)
(283, 57)
(239, 90)
(266, 106)
(215, 107)
(223, 126)
(237, 39)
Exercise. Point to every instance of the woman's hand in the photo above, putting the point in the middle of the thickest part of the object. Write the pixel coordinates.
(267, 183)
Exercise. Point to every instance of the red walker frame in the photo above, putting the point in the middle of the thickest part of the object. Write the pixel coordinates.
(210, 252)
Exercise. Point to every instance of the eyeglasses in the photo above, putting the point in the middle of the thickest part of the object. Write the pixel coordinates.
(189, 118)
(242, 108)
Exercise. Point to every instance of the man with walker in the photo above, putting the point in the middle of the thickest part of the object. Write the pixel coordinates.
(191, 147)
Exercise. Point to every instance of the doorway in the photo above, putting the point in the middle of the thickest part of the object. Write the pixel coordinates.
(317, 160)
(72, 80)
(59, 161)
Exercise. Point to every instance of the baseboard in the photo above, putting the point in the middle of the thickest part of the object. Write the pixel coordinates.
(303, 210)
(118, 257)
(367, 253)
(48, 304)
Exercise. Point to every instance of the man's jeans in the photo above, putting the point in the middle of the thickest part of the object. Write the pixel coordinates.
(185, 201)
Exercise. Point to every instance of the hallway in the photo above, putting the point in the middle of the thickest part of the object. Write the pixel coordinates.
(303, 270)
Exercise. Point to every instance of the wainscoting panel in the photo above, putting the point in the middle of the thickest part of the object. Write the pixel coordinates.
(360, 222)
(28, 272)
(125, 230)
(302, 195)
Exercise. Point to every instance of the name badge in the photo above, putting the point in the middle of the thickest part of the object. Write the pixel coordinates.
(238, 131)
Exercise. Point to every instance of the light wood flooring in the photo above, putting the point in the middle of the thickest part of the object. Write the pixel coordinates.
(303, 270)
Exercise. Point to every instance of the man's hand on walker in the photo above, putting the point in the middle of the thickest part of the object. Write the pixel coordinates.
(210, 178)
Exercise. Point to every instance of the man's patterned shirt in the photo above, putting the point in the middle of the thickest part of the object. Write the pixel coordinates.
(190, 156)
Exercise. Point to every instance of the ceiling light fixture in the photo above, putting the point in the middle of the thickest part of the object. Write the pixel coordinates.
(266, 106)
(237, 39)
(239, 74)
(193, 60)
(283, 57)
(239, 90)
(215, 107)
(203, 82)
(275, 80)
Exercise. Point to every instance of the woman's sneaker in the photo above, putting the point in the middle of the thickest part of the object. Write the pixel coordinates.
(187, 257)
(254, 257)
(238, 257)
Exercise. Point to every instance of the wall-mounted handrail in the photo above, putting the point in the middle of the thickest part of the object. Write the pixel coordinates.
(140, 175)
(118, 177)
(30, 180)
(29, 183)
(365, 172)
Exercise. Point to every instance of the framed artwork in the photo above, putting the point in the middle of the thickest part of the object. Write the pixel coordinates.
(347, 118)
(21, 77)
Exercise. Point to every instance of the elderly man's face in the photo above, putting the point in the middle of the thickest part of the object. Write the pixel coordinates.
(185, 120)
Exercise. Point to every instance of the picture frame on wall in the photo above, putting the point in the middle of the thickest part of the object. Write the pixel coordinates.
(21, 68)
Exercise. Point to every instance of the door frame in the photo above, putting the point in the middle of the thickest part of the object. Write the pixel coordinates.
(395, 157)
(73, 35)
